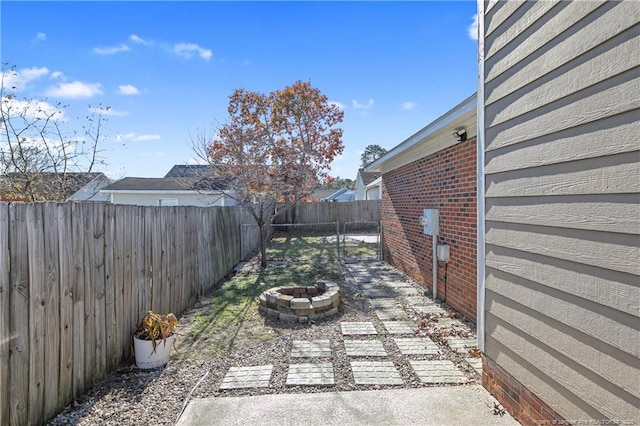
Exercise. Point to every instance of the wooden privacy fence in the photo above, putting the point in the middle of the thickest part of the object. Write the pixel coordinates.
(352, 211)
(76, 278)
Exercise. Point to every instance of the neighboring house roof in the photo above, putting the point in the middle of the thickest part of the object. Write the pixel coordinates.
(344, 194)
(368, 177)
(47, 186)
(321, 194)
(434, 137)
(374, 183)
(190, 170)
(165, 184)
(333, 194)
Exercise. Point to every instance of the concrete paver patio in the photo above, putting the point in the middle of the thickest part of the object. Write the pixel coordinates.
(465, 404)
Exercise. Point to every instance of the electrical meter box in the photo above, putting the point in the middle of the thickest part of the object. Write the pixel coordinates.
(430, 221)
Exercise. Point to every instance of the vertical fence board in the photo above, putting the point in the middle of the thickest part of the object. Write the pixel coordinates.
(98, 285)
(149, 249)
(37, 300)
(111, 347)
(127, 304)
(89, 293)
(66, 326)
(156, 243)
(5, 306)
(118, 257)
(133, 260)
(77, 238)
(19, 315)
(141, 270)
(51, 259)
(167, 241)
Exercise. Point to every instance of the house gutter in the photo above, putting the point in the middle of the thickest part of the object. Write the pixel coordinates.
(480, 189)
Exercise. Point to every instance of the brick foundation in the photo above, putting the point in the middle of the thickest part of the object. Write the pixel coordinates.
(521, 403)
(445, 180)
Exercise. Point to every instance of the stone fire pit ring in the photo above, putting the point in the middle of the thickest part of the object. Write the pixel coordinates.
(301, 303)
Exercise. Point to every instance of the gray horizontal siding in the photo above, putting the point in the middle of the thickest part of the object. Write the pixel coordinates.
(562, 202)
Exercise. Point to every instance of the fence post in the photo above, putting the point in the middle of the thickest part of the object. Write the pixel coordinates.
(338, 237)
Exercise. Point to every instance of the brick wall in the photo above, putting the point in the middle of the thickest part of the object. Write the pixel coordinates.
(522, 404)
(445, 180)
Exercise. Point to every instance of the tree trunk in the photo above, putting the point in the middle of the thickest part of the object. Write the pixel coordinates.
(263, 246)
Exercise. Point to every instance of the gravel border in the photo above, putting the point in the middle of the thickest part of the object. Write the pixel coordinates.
(157, 397)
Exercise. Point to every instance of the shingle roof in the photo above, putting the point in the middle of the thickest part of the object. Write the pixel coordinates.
(368, 177)
(167, 184)
(189, 170)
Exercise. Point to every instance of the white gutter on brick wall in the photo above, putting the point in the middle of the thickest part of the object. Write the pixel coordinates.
(480, 237)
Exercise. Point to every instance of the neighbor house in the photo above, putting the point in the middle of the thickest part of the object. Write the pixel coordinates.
(76, 186)
(434, 169)
(559, 225)
(333, 195)
(368, 185)
(184, 185)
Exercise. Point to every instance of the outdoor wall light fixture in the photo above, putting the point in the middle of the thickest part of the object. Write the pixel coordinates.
(460, 134)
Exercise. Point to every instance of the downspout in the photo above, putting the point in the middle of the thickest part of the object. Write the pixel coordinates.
(480, 189)
(434, 267)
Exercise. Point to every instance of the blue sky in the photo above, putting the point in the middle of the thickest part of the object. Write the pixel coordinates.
(166, 69)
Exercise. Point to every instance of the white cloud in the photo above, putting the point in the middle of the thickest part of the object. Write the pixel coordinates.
(473, 28)
(128, 89)
(40, 37)
(136, 39)
(111, 49)
(338, 104)
(32, 109)
(57, 74)
(409, 105)
(75, 90)
(187, 50)
(135, 137)
(108, 111)
(358, 105)
(19, 79)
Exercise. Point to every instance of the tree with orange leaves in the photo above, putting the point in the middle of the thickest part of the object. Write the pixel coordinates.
(275, 148)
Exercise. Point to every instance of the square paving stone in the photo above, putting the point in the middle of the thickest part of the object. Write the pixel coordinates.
(438, 371)
(364, 348)
(311, 375)
(375, 373)
(310, 348)
(397, 284)
(247, 377)
(386, 314)
(357, 328)
(408, 291)
(450, 322)
(362, 278)
(400, 327)
(461, 344)
(428, 309)
(377, 293)
(475, 363)
(419, 301)
(417, 346)
(385, 302)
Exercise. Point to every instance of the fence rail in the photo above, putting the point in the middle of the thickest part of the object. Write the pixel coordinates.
(352, 211)
(76, 278)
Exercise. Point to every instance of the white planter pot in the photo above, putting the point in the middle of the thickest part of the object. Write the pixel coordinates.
(146, 357)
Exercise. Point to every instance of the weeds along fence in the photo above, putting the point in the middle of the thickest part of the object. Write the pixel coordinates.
(352, 211)
(76, 278)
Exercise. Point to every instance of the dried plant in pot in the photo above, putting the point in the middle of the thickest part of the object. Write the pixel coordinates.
(153, 339)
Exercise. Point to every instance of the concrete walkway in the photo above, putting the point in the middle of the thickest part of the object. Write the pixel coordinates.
(389, 294)
(450, 406)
